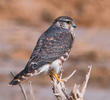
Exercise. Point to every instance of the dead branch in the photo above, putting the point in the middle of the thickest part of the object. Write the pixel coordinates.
(78, 91)
(31, 91)
(59, 89)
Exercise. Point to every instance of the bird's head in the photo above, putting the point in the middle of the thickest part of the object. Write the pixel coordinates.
(65, 22)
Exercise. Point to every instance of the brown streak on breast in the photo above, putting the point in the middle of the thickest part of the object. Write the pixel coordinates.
(51, 38)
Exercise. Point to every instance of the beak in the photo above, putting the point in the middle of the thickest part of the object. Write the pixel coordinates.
(74, 25)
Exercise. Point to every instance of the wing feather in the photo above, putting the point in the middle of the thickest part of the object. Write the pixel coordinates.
(51, 45)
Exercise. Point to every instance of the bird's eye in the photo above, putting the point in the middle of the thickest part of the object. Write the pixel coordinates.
(68, 22)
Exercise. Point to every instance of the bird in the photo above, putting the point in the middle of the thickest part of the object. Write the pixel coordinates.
(51, 50)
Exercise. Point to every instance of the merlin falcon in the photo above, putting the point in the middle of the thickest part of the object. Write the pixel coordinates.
(51, 51)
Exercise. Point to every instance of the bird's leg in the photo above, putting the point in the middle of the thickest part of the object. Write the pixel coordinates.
(57, 76)
(60, 76)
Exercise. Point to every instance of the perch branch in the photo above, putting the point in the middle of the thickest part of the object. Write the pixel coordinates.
(84, 85)
(59, 89)
(77, 92)
(31, 91)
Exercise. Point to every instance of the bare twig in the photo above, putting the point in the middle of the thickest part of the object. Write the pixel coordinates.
(84, 85)
(59, 89)
(31, 91)
(67, 78)
(22, 89)
(77, 92)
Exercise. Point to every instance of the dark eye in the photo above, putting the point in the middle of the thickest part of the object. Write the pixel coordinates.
(68, 22)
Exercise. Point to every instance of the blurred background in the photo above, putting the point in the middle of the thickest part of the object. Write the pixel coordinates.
(23, 21)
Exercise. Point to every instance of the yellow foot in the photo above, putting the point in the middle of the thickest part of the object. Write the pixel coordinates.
(58, 77)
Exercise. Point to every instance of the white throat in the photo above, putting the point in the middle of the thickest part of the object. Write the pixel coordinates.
(72, 31)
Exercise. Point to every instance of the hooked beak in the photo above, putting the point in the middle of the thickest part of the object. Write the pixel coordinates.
(74, 25)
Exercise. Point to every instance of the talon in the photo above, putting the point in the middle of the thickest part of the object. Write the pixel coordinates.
(58, 77)
(62, 80)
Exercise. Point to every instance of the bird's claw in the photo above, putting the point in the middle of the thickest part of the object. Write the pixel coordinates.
(58, 77)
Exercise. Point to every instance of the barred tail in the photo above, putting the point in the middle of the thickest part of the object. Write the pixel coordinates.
(23, 75)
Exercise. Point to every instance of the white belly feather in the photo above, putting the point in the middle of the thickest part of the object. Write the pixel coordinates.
(55, 66)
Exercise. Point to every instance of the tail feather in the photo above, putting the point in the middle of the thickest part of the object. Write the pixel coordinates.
(23, 75)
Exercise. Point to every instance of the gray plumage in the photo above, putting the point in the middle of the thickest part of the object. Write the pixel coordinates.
(52, 44)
